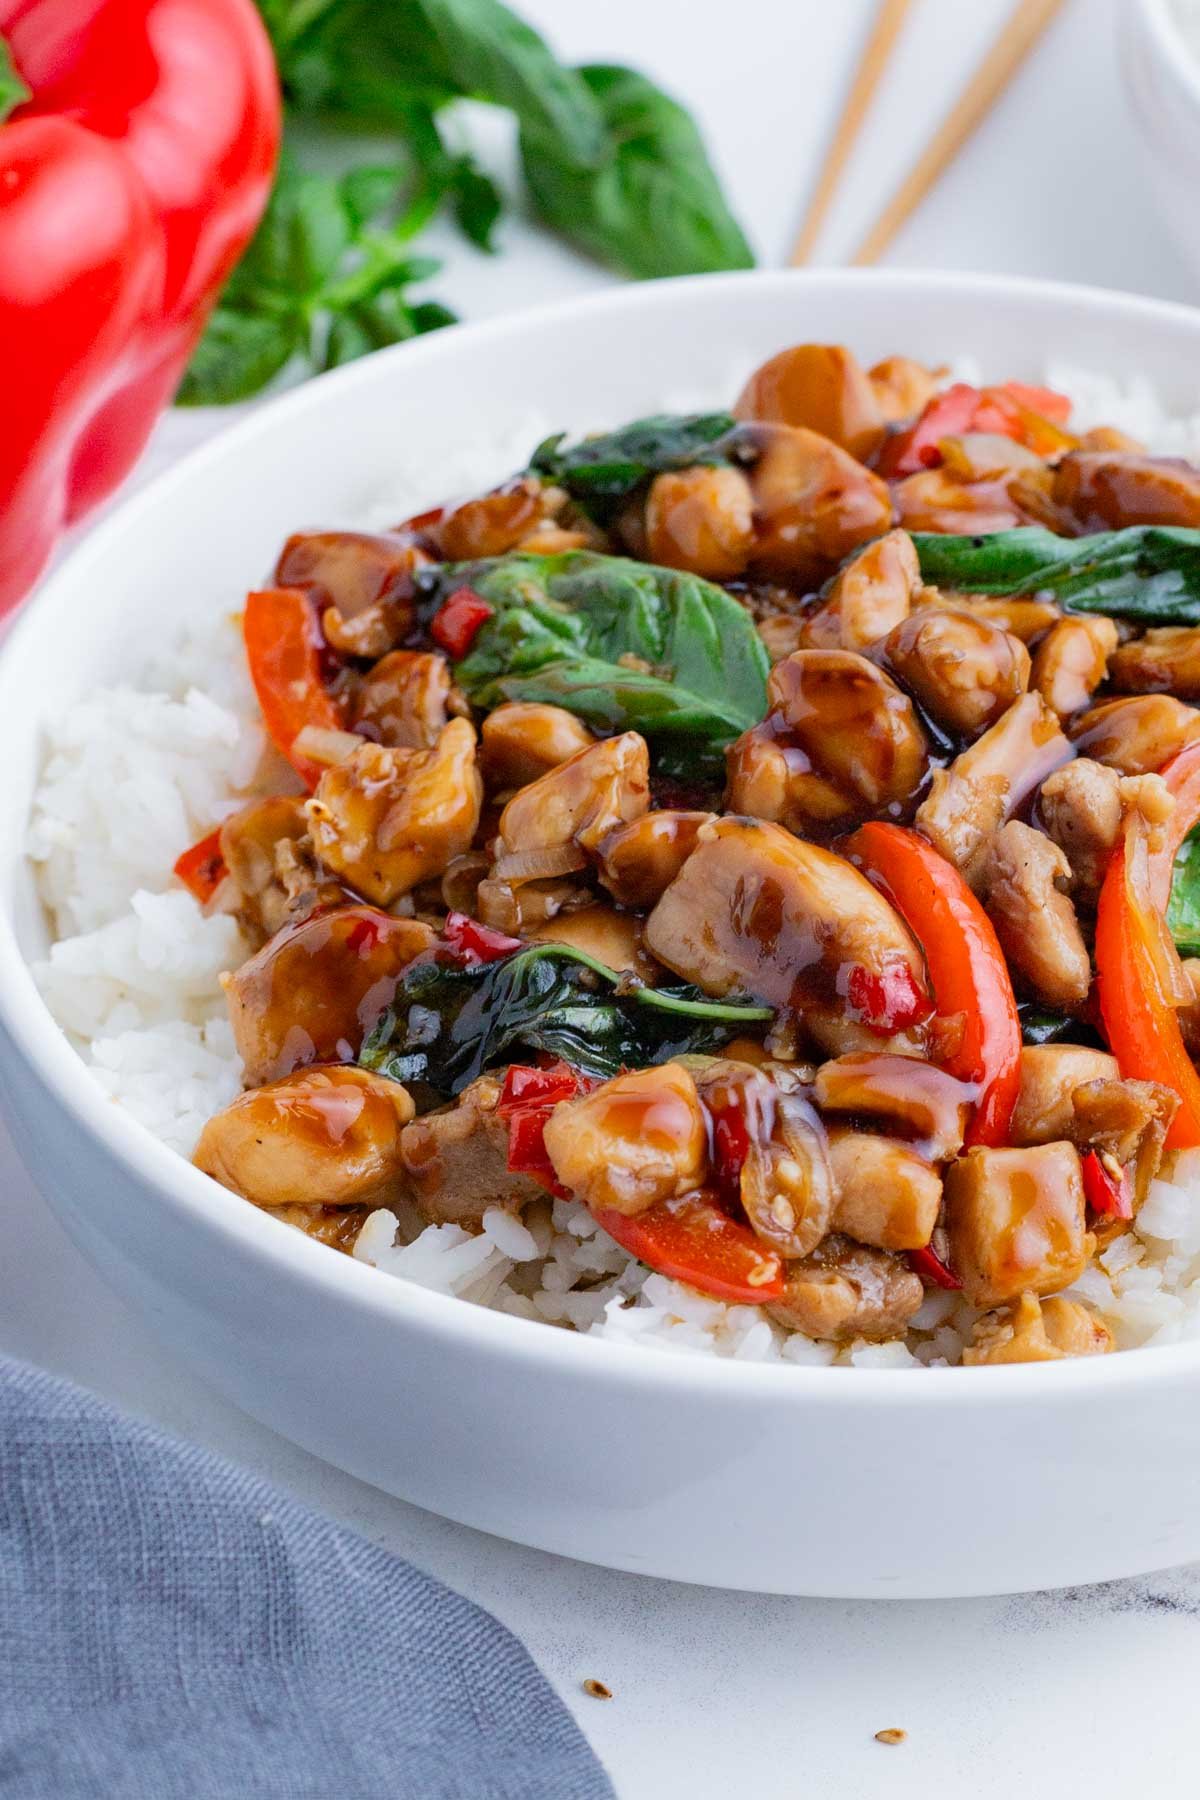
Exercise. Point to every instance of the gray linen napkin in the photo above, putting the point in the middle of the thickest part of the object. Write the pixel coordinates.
(172, 1628)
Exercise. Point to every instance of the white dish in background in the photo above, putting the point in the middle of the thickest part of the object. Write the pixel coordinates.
(1160, 58)
(790, 1479)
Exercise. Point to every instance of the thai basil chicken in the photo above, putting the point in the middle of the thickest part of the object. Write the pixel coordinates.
(770, 829)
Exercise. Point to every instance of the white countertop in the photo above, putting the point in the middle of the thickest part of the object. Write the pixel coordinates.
(718, 1693)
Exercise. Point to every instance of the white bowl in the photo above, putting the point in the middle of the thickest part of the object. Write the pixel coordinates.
(1162, 78)
(773, 1477)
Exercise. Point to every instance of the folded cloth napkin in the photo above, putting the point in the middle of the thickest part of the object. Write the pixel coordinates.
(173, 1628)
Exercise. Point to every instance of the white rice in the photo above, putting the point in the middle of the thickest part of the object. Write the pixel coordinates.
(136, 773)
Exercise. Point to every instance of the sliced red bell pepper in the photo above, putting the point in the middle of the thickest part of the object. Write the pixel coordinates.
(966, 965)
(524, 1086)
(695, 1241)
(202, 868)
(471, 943)
(1107, 1193)
(1138, 1004)
(926, 1263)
(284, 650)
(888, 1000)
(730, 1149)
(1033, 416)
(457, 624)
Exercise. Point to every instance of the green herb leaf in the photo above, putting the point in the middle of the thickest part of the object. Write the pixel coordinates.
(305, 232)
(13, 91)
(1042, 1025)
(602, 471)
(238, 354)
(1183, 908)
(477, 202)
(652, 205)
(446, 1025)
(1150, 573)
(623, 644)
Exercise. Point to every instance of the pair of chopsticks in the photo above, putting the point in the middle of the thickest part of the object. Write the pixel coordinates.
(1016, 38)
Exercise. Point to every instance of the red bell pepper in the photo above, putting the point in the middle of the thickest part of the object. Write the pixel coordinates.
(456, 625)
(130, 181)
(1108, 1192)
(966, 965)
(693, 1240)
(284, 651)
(1034, 416)
(926, 1263)
(1141, 984)
(471, 943)
(202, 868)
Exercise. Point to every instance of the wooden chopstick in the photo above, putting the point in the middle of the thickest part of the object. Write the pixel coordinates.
(1025, 25)
(889, 18)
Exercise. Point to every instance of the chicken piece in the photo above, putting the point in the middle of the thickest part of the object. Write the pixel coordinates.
(754, 911)
(1104, 490)
(337, 1226)
(1080, 805)
(612, 937)
(581, 800)
(845, 1291)
(456, 1161)
(887, 1195)
(1037, 1331)
(701, 519)
(318, 988)
(1136, 735)
(493, 524)
(639, 860)
(404, 701)
(250, 840)
(902, 1093)
(1018, 614)
(1025, 881)
(869, 596)
(635, 1140)
(785, 1184)
(1164, 660)
(1125, 1122)
(320, 1137)
(823, 387)
(386, 820)
(964, 671)
(1015, 1221)
(841, 742)
(937, 500)
(1050, 1073)
(969, 802)
(813, 504)
(363, 582)
(1072, 661)
(524, 739)
(903, 388)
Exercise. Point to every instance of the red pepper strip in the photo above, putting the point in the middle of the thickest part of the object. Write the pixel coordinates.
(524, 1086)
(730, 1148)
(966, 965)
(1108, 1194)
(1033, 416)
(471, 943)
(202, 868)
(456, 625)
(888, 1000)
(284, 651)
(527, 1099)
(130, 182)
(929, 1266)
(527, 1153)
(693, 1240)
(1139, 1014)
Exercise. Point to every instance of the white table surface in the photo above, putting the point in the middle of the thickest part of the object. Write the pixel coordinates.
(717, 1693)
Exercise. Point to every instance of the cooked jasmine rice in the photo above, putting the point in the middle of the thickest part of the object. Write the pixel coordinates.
(135, 773)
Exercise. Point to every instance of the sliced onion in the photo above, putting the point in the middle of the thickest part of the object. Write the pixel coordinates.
(1173, 985)
(540, 864)
(329, 748)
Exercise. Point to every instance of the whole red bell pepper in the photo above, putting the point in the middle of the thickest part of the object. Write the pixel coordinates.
(133, 170)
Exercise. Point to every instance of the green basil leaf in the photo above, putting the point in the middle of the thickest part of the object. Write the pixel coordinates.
(652, 205)
(238, 355)
(623, 644)
(13, 91)
(1150, 573)
(1183, 908)
(477, 203)
(602, 471)
(305, 232)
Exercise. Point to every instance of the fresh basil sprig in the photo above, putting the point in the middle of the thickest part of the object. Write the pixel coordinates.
(1149, 573)
(602, 471)
(625, 645)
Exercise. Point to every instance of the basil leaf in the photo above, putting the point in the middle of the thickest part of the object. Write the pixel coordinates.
(1183, 908)
(238, 354)
(305, 232)
(623, 644)
(477, 203)
(446, 1025)
(602, 471)
(1150, 573)
(652, 205)
(13, 91)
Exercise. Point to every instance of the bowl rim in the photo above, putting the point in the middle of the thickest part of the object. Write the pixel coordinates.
(242, 1229)
(1165, 32)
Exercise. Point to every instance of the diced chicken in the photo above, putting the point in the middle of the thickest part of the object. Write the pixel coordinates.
(1081, 808)
(456, 1160)
(826, 388)
(582, 799)
(903, 388)
(638, 861)
(317, 989)
(785, 1185)
(387, 819)
(1018, 614)
(525, 739)
(1072, 661)
(904, 1094)
(1165, 660)
(493, 524)
(1037, 1331)
(1070, 1092)
(404, 700)
(1015, 1221)
(938, 500)
(1105, 490)
(326, 1137)
(1025, 880)
(1050, 1073)
(969, 801)
(254, 844)
(887, 1195)
(813, 504)
(637, 1139)
(869, 597)
(363, 581)
(1136, 735)
(610, 936)
(846, 1291)
(701, 519)
(755, 911)
(963, 670)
